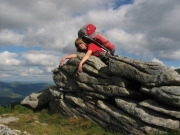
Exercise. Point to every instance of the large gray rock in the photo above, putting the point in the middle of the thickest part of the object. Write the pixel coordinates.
(37, 100)
(130, 96)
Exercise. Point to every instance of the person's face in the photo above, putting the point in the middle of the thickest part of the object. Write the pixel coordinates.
(82, 46)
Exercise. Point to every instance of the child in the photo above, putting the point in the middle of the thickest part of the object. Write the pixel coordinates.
(81, 46)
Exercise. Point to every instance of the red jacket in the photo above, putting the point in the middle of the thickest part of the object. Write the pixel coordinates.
(96, 50)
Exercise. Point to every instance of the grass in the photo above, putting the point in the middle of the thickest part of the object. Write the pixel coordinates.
(46, 123)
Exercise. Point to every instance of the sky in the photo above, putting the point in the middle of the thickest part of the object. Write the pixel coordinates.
(36, 34)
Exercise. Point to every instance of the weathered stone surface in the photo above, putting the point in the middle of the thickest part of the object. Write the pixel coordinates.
(31, 100)
(90, 108)
(37, 100)
(127, 120)
(122, 82)
(130, 96)
(64, 80)
(5, 130)
(159, 107)
(148, 73)
(86, 78)
(8, 119)
(146, 115)
(94, 95)
(166, 94)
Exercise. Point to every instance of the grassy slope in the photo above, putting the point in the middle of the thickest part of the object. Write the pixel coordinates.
(45, 123)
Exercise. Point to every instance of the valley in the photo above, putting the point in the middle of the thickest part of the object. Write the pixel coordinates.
(14, 92)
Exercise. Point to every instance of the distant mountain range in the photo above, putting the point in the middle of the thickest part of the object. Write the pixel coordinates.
(11, 92)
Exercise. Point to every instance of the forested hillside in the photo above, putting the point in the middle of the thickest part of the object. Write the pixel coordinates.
(15, 92)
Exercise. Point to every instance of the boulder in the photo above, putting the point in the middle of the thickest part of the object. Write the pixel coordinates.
(127, 96)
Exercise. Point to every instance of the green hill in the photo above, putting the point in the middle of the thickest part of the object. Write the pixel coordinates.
(14, 92)
(177, 70)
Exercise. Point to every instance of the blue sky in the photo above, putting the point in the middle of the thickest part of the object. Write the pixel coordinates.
(36, 34)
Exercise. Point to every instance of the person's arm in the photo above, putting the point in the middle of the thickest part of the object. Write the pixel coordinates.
(67, 57)
(86, 57)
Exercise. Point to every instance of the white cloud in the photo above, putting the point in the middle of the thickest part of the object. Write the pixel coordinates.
(32, 72)
(8, 58)
(132, 43)
(33, 64)
(158, 61)
(54, 24)
(169, 55)
(40, 58)
(158, 20)
(8, 37)
(147, 29)
(172, 67)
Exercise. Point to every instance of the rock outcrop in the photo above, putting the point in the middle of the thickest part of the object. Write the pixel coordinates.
(4, 129)
(130, 96)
